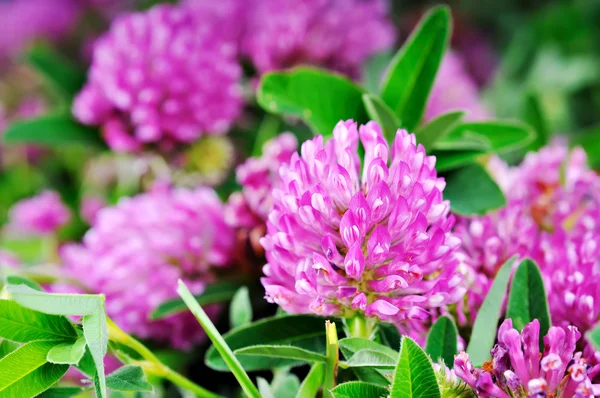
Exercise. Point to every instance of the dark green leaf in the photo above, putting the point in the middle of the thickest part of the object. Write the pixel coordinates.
(331, 97)
(527, 299)
(438, 128)
(61, 392)
(589, 140)
(390, 336)
(240, 310)
(412, 72)
(359, 389)
(303, 331)
(281, 351)
(269, 129)
(128, 378)
(442, 341)
(414, 376)
(533, 114)
(215, 293)
(450, 160)
(67, 353)
(19, 280)
(64, 76)
(484, 329)
(472, 191)
(55, 130)
(374, 69)
(382, 114)
(22, 325)
(25, 372)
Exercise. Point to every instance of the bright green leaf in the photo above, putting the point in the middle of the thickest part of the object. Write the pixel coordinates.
(411, 75)
(240, 310)
(371, 359)
(484, 329)
(414, 376)
(438, 128)
(95, 331)
(61, 392)
(57, 304)
(55, 130)
(67, 353)
(128, 378)
(25, 372)
(219, 342)
(593, 336)
(442, 341)
(331, 97)
(382, 114)
(214, 293)
(356, 389)
(6, 347)
(312, 382)
(281, 351)
(24, 325)
(527, 299)
(471, 191)
(352, 345)
(303, 331)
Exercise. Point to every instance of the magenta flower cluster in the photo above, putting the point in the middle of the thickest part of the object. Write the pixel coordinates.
(137, 250)
(551, 217)
(43, 214)
(160, 77)
(375, 240)
(519, 369)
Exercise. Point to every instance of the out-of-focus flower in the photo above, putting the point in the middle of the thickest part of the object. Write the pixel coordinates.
(26, 20)
(336, 34)
(551, 216)
(137, 250)
(455, 90)
(40, 215)
(90, 206)
(374, 240)
(205, 162)
(519, 369)
(160, 77)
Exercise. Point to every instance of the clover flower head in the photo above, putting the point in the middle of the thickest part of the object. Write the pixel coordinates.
(43, 214)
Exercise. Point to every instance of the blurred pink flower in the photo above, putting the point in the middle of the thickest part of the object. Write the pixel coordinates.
(43, 214)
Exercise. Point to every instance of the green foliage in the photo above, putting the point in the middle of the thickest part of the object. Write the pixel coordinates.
(55, 130)
(128, 378)
(281, 351)
(442, 341)
(371, 358)
(331, 97)
(414, 376)
(240, 311)
(67, 353)
(214, 293)
(429, 134)
(302, 331)
(382, 114)
(411, 75)
(355, 389)
(528, 299)
(219, 342)
(471, 191)
(312, 382)
(23, 325)
(484, 329)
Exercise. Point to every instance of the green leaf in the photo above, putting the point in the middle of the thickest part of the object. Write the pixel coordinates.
(412, 72)
(128, 378)
(593, 336)
(352, 345)
(264, 388)
(471, 191)
(374, 69)
(19, 280)
(214, 293)
(438, 128)
(67, 353)
(371, 359)
(382, 114)
(55, 303)
(65, 77)
(303, 331)
(484, 329)
(25, 372)
(6, 347)
(533, 114)
(331, 97)
(450, 160)
(589, 140)
(56, 130)
(312, 382)
(442, 341)
(61, 392)
(240, 311)
(356, 389)
(268, 129)
(281, 351)
(285, 385)
(95, 331)
(23, 325)
(219, 342)
(527, 299)
(390, 336)
(414, 375)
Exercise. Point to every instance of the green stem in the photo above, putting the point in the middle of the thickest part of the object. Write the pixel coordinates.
(332, 354)
(152, 365)
(359, 326)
